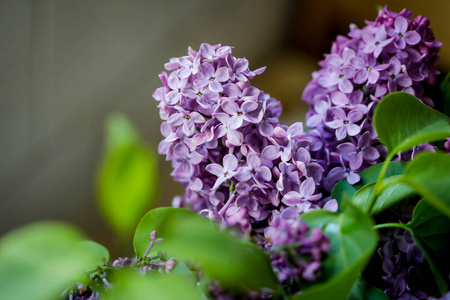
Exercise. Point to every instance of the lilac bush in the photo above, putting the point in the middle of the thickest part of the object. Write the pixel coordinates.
(241, 167)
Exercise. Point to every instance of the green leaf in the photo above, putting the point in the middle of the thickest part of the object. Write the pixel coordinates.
(40, 260)
(402, 121)
(132, 285)
(362, 290)
(120, 132)
(353, 241)
(96, 250)
(127, 182)
(344, 191)
(431, 232)
(392, 194)
(233, 262)
(182, 269)
(429, 175)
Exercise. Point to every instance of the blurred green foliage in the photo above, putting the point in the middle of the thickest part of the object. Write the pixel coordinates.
(237, 264)
(40, 260)
(128, 177)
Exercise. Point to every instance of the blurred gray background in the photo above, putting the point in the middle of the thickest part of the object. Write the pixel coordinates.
(64, 65)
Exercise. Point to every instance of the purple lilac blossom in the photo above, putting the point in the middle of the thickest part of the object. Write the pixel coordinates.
(398, 267)
(295, 255)
(392, 53)
(447, 145)
(238, 164)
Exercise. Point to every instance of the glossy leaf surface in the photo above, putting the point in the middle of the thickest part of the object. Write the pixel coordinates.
(353, 241)
(429, 175)
(392, 194)
(402, 121)
(344, 191)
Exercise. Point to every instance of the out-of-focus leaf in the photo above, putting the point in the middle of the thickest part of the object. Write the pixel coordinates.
(431, 232)
(132, 285)
(429, 175)
(344, 191)
(96, 250)
(120, 133)
(127, 181)
(402, 121)
(40, 260)
(182, 269)
(392, 194)
(353, 241)
(363, 291)
(235, 263)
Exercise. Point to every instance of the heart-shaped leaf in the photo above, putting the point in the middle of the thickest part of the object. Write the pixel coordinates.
(392, 194)
(40, 260)
(344, 191)
(233, 262)
(402, 121)
(353, 241)
(431, 232)
(429, 175)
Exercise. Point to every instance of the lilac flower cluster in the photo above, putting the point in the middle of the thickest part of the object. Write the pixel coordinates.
(398, 266)
(402, 264)
(237, 163)
(393, 53)
(98, 277)
(295, 255)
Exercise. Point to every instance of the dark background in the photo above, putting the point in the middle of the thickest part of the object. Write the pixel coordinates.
(65, 65)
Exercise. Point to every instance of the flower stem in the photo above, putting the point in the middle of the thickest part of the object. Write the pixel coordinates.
(390, 225)
(379, 185)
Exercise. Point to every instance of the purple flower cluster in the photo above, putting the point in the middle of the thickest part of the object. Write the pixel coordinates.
(398, 266)
(295, 255)
(393, 53)
(402, 264)
(237, 163)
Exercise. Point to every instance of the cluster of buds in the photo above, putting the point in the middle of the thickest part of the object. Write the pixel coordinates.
(98, 276)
